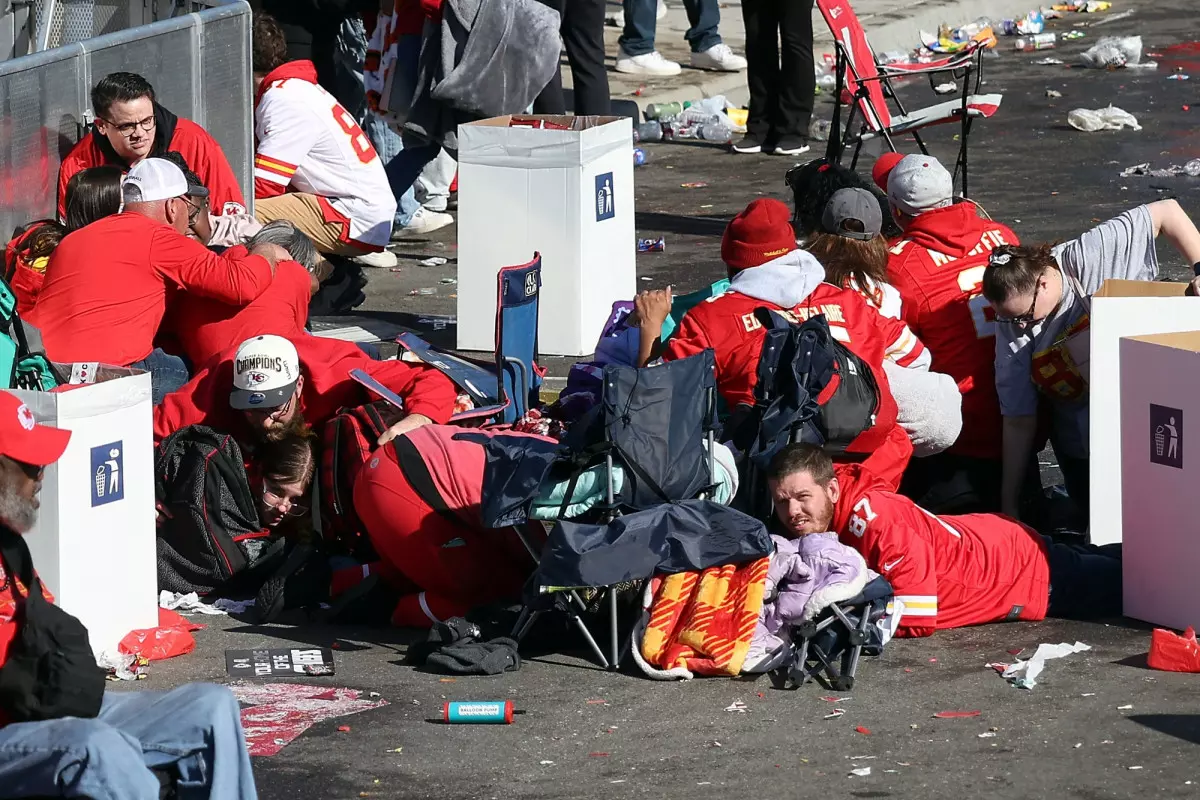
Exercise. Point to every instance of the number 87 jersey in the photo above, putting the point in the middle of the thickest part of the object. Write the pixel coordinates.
(307, 142)
(938, 269)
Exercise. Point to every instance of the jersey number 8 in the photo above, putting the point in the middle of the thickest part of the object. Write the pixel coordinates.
(358, 140)
(982, 314)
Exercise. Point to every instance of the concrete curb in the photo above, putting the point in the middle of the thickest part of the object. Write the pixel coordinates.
(894, 27)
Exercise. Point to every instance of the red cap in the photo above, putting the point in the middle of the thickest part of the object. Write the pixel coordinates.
(883, 167)
(21, 439)
(759, 234)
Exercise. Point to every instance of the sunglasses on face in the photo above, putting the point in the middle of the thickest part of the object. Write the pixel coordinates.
(278, 502)
(1028, 317)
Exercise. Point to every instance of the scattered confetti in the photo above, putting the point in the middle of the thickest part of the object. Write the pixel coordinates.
(1124, 708)
(863, 731)
(738, 707)
(693, 185)
(344, 728)
(597, 702)
(1134, 767)
(988, 735)
(956, 714)
(837, 712)
(597, 755)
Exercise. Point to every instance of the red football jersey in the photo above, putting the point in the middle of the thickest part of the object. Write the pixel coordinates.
(727, 325)
(948, 571)
(938, 269)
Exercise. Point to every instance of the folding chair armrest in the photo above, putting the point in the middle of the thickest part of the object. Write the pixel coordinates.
(954, 65)
(525, 387)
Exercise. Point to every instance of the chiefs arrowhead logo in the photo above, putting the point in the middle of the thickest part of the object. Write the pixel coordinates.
(25, 417)
(256, 378)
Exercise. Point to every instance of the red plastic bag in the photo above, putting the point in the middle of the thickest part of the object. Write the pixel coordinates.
(171, 638)
(1174, 653)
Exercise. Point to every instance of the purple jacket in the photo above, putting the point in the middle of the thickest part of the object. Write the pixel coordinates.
(807, 574)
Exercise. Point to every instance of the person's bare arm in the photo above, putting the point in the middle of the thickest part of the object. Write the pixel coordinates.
(1173, 223)
(273, 253)
(652, 308)
(1019, 434)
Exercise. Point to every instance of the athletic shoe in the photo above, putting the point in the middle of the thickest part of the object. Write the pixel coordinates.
(423, 221)
(648, 64)
(382, 260)
(750, 143)
(662, 10)
(791, 146)
(718, 58)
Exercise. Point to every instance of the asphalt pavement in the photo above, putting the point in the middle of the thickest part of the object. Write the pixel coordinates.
(1099, 724)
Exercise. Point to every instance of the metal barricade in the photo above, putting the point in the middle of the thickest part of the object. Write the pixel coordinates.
(199, 65)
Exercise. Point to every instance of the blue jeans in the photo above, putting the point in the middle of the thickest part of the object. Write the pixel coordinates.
(389, 146)
(195, 730)
(168, 373)
(704, 16)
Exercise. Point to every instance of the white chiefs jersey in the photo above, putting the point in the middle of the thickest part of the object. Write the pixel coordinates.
(308, 141)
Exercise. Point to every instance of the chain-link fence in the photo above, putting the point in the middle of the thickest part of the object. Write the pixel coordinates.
(198, 63)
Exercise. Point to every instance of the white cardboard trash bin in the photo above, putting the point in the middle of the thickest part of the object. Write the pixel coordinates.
(94, 542)
(1160, 470)
(567, 194)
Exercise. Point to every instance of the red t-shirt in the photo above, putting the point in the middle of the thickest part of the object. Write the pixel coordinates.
(200, 150)
(106, 287)
(938, 269)
(328, 387)
(949, 571)
(204, 328)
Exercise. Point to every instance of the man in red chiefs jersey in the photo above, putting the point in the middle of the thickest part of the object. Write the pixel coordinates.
(947, 571)
(131, 126)
(768, 271)
(938, 268)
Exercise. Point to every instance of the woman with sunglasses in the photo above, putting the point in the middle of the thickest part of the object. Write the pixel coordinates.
(1041, 297)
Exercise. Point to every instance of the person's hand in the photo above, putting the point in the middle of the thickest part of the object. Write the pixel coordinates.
(161, 514)
(273, 253)
(1193, 289)
(653, 306)
(409, 423)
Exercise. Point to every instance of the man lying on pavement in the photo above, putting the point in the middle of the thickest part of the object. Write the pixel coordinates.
(948, 571)
(271, 386)
(68, 737)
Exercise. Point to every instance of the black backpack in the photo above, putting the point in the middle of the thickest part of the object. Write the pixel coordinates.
(810, 388)
(212, 542)
(50, 672)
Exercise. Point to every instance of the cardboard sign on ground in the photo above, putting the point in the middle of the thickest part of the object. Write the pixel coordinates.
(567, 194)
(287, 662)
(1119, 309)
(1160, 476)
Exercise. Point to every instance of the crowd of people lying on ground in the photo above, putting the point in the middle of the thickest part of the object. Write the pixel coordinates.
(966, 333)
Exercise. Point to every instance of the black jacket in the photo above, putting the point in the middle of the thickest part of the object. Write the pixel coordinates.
(311, 28)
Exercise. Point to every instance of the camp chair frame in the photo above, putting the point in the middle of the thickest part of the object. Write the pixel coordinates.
(807, 658)
(869, 87)
(567, 599)
(518, 289)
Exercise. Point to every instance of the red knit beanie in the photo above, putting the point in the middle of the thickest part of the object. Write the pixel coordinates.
(761, 233)
(883, 169)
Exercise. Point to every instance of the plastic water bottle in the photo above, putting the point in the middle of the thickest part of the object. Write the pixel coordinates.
(717, 131)
(661, 111)
(1042, 41)
(827, 80)
(819, 129)
(648, 131)
(676, 130)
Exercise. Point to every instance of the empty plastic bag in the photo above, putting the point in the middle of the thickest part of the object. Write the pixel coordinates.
(1102, 119)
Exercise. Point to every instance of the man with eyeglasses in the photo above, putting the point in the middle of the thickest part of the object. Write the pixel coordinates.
(1041, 297)
(131, 126)
(106, 287)
(272, 387)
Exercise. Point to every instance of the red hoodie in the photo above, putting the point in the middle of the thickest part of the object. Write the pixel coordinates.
(938, 268)
(328, 387)
(948, 571)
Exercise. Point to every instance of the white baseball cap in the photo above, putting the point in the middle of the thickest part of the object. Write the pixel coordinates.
(153, 179)
(265, 371)
(919, 183)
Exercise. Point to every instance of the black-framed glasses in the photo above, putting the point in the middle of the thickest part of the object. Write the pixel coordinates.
(127, 129)
(1028, 317)
(195, 209)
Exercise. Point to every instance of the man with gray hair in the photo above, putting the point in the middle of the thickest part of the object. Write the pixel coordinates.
(204, 328)
(106, 292)
(937, 266)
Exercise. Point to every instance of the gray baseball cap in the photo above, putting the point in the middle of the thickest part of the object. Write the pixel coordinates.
(919, 183)
(853, 204)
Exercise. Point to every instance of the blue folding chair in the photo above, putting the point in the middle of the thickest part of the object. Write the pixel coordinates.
(512, 388)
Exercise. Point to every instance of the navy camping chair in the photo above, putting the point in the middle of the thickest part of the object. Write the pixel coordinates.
(658, 424)
(505, 391)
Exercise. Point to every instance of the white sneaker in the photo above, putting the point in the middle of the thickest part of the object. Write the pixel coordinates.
(649, 64)
(662, 10)
(718, 58)
(423, 221)
(382, 260)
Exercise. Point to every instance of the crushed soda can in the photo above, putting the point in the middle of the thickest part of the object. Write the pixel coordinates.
(658, 245)
(639, 156)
